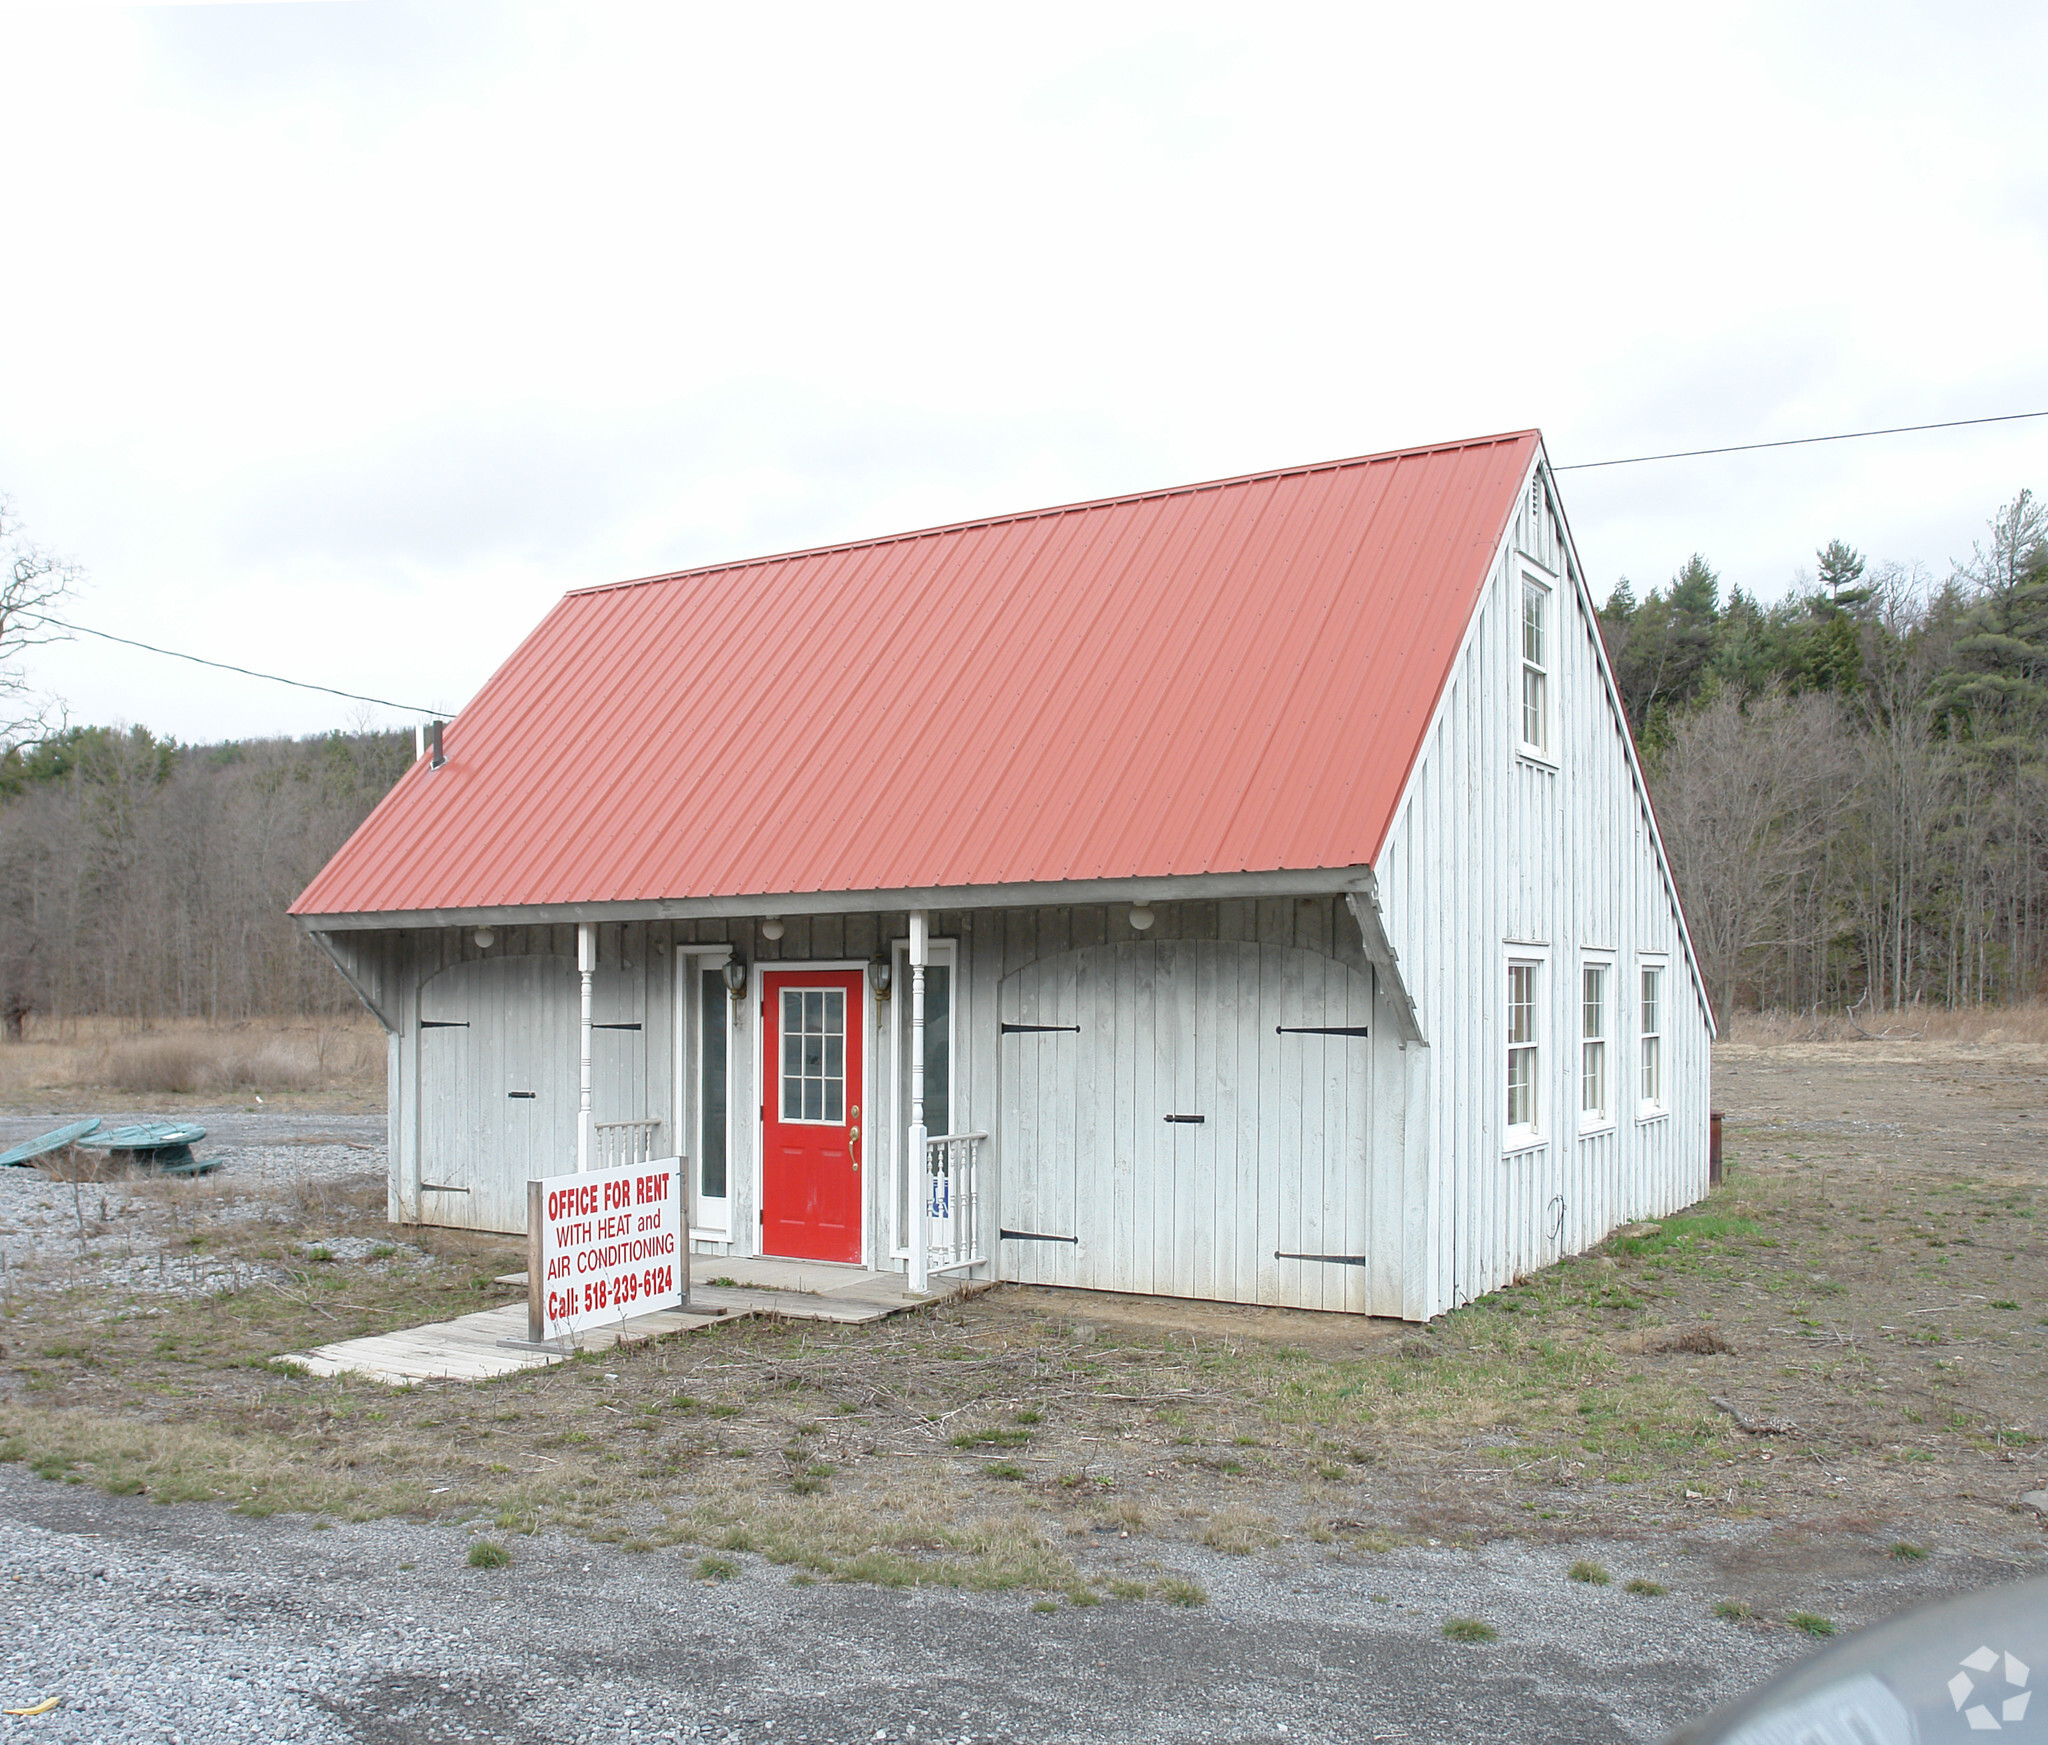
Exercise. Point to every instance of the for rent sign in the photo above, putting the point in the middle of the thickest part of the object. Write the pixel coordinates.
(603, 1245)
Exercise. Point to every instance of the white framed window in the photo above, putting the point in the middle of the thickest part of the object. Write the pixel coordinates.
(1596, 1044)
(1535, 644)
(1524, 1051)
(1650, 1037)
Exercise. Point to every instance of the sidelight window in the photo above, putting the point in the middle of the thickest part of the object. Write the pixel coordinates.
(712, 1040)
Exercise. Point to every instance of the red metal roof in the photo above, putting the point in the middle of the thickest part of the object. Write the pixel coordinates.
(1227, 677)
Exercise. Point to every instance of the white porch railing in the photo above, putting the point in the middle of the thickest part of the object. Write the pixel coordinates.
(621, 1144)
(953, 1200)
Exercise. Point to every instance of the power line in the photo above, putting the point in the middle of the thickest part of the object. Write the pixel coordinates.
(1572, 467)
(1796, 441)
(246, 672)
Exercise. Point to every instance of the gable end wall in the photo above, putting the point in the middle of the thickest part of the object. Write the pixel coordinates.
(1490, 847)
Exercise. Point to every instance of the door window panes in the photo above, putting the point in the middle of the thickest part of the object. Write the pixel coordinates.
(712, 1028)
(814, 1054)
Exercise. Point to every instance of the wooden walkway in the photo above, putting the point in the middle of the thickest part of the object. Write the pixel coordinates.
(491, 1342)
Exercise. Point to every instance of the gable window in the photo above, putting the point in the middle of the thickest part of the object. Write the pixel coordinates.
(1651, 1038)
(1536, 639)
(1523, 1050)
(1595, 1095)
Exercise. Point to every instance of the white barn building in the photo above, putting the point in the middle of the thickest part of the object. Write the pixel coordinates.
(1289, 914)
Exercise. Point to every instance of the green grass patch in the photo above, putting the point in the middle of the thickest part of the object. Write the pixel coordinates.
(997, 1437)
(1592, 1574)
(1812, 1623)
(1650, 1589)
(488, 1554)
(1470, 1630)
(1695, 1234)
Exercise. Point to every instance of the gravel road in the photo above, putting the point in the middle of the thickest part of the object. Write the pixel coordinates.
(188, 1623)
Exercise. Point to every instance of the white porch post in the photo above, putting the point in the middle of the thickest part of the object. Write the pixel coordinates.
(586, 968)
(920, 1183)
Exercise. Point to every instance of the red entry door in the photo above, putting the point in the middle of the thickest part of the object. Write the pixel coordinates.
(813, 1137)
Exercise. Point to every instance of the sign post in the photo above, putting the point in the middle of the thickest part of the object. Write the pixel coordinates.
(604, 1245)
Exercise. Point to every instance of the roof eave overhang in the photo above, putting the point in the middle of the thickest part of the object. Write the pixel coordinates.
(1179, 887)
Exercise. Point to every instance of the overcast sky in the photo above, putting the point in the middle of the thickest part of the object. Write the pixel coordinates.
(340, 339)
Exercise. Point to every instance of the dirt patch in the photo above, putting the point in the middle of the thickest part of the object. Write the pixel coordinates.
(1846, 1343)
(1690, 1342)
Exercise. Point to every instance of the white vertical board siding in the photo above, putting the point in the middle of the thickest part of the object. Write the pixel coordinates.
(498, 1086)
(1489, 848)
(1101, 1190)
(509, 1020)
(633, 1006)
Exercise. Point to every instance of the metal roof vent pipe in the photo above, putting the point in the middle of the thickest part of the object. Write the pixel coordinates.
(438, 756)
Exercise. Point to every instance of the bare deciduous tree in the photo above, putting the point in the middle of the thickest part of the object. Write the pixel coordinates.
(35, 582)
(1748, 800)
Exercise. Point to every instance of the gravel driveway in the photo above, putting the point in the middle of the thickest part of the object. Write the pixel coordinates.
(188, 1623)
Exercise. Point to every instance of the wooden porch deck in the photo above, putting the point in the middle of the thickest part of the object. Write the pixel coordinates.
(491, 1342)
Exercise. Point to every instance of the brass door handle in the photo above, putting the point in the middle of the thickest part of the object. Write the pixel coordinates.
(853, 1146)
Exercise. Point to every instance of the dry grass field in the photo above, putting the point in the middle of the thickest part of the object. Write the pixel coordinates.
(1848, 1343)
(60, 1067)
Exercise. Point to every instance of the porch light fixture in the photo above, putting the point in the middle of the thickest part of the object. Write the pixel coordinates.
(879, 976)
(484, 938)
(772, 927)
(1141, 916)
(735, 973)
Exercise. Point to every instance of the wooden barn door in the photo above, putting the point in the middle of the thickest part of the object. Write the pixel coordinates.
(1187, 1118)
(619, 1031)
(497, 1087)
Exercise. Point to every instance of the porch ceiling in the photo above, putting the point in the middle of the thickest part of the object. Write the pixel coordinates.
(1197, 887)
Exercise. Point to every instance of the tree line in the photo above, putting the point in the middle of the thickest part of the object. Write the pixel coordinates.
(146, 880)
(1853, 782)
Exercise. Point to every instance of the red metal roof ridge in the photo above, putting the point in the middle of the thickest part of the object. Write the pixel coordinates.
(1155, 494)
(1376, 573)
